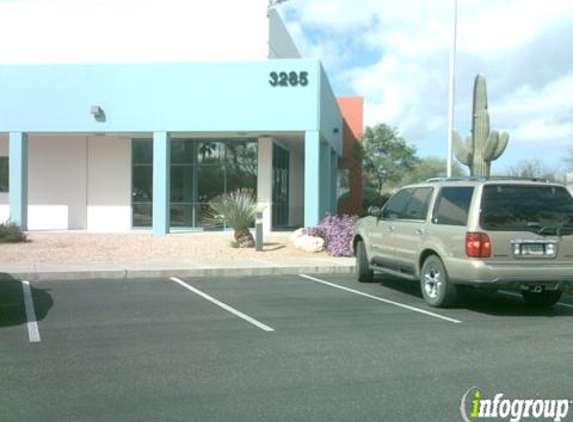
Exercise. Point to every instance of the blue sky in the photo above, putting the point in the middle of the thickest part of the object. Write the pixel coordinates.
(396, 55)
(393, 53)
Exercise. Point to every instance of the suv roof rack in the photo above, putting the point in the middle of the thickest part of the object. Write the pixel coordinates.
(483, 179)
(453, 179)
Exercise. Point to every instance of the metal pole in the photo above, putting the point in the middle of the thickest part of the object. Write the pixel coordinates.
(259, 231)
(452, 92)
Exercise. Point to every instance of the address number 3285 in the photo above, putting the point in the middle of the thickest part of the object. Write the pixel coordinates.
(288, 78)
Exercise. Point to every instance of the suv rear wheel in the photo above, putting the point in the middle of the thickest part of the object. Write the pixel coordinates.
(437, 289)
(544, 298)
(363, 271)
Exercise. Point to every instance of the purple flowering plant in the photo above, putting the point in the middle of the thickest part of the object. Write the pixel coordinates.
(337, 233)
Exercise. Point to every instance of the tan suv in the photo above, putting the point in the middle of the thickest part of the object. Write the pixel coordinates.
(494, 234)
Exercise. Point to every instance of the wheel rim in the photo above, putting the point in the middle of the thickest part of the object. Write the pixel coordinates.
(433, 281)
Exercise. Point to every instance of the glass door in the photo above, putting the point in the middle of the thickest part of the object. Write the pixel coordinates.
(142, 182)
(281, 160)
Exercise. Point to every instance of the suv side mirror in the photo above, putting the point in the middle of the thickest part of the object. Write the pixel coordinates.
(375, 211)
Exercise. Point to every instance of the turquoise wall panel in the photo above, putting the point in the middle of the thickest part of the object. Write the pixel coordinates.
(330, 115)
(312, 178)
(18, 195)
(161, 183)
(164, 97)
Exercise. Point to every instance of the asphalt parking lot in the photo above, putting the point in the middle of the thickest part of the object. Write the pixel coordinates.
(281, 348)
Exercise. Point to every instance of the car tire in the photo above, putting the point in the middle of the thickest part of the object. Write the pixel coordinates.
(363, 272)
(543, 299)
(437, 289)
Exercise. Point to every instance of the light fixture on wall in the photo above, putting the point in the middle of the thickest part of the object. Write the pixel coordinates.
(98, 113)
(336, 130)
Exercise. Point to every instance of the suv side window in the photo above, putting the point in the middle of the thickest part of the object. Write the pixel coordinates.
(453, 205)
(396, 204)
(417, 208)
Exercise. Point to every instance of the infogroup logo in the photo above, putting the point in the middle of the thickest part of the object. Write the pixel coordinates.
(475, 406)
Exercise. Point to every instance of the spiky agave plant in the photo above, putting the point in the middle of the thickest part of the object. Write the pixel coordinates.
(238, 210)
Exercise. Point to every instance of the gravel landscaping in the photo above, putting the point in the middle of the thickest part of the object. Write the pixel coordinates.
(77, 247)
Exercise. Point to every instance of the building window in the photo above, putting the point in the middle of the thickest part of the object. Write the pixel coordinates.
(4, 174)
(183, 163)
(281, 174)
(142, 182)
(200, 170)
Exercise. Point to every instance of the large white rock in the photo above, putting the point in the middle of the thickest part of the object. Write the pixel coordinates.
(309, 243)
(296, 234)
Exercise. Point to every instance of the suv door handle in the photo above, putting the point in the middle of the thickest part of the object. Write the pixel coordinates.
(419, 231)
(391, 228)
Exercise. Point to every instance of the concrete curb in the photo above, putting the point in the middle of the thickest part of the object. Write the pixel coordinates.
(33, 273)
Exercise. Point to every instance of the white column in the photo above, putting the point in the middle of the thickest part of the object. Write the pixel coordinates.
(265, 181)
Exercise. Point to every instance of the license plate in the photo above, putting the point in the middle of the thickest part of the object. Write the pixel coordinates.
(532, 249)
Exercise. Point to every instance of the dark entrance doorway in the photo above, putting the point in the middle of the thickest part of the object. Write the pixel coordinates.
(281, 164)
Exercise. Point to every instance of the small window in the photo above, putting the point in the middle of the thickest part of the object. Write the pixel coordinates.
(396, 204)
(453, 206)
(417, 207)
(4, 174)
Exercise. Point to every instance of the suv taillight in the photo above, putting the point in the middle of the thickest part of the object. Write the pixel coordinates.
(478, 245)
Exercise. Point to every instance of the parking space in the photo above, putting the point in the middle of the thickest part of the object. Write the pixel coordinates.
(296, 347)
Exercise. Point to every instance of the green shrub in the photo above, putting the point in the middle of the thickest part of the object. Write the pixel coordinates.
(11, 233)
(238, 210)
(371, 197)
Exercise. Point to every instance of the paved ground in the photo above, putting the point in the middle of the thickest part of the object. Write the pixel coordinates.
(154, 350)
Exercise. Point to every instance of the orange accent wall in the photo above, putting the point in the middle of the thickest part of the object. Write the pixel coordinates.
(352, 109)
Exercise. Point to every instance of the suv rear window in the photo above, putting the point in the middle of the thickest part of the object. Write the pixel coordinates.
(453, 205)
(540, 209)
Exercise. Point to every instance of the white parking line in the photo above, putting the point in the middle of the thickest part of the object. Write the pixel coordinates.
(391, 302)
(226, 307)
(566, 305)
(33, 332)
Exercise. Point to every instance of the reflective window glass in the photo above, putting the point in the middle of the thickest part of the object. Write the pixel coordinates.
(182, 183)
(142, 215)
(182, 152)
(530, 208)
(210, 182)
(4, 174)
(142, 151)
(417, 207)
(396, 204)
(453, 205)
(211, 153)
(182, 215)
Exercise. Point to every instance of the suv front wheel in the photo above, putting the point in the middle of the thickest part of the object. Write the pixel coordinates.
(363, 271)
(437, 289)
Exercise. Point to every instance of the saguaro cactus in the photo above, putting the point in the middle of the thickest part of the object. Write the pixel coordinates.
(483, 146)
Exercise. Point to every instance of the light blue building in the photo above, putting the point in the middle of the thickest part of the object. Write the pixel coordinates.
(118, 146)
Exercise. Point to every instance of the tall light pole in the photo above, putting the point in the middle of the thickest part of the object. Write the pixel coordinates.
(452, 92)
(274, 3)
